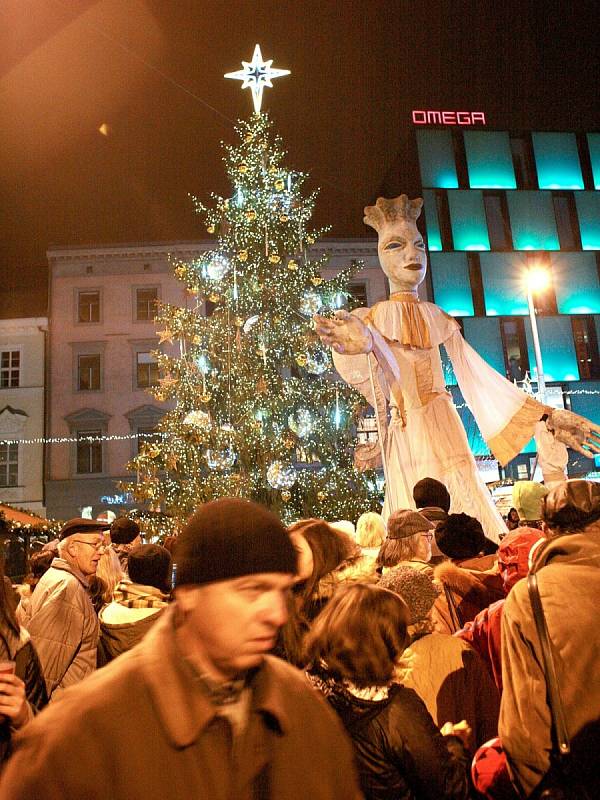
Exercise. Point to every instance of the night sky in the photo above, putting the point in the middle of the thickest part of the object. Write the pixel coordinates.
(152, 71)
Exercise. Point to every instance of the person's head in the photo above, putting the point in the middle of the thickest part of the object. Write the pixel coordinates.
(109, 570)
(39, 563)
(360, 635)
(460, 536)
(513, 515)
(8, 620)
(416, 589)
(150, 565)
(429, 493)
(571, 507)
(527, 498)
(81, 543)
(125, 531)
(235, 566)
(370, 530)
(401, 248)
(513, 555)
(321, 549)
(409, 537)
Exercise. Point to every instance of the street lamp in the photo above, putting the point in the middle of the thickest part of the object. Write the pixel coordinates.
(536, 280)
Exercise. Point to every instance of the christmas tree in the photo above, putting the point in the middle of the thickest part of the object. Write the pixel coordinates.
(257, 413)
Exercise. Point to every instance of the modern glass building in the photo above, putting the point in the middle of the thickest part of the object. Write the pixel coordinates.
(496, 204)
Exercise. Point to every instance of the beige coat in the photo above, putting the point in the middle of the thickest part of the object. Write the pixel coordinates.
(63, 626)
(569, 582)
(143, 729)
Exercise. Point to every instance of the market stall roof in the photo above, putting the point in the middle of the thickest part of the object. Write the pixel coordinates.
(23, 517)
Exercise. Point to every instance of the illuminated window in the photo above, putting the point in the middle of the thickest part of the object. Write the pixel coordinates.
(9, 464)
(514, 346)
(467, 217)
(89, 371)
(532, 221)
(89, 453)
(436, 159)
(88, 306)
(496, 214)
(489, 160)
(557, 161)
(586, 347)
(434, 234)
(503, 283)
(576, 283)
(588, 211)
(558, 350)
(145, 303)
(10, 368)
(451, 286)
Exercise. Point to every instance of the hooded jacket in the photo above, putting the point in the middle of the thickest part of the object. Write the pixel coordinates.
(400, 753)
(568, 569)
(125, 621)
(467, 592)
(63, 626)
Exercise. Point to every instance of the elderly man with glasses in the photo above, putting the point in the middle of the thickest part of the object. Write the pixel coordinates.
(63, 624)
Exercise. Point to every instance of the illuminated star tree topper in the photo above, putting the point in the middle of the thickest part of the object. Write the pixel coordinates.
(256, 75)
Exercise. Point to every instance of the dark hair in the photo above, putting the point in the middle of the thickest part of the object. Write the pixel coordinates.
(429, 492)
(359, 635)
(150, 565)
(8, 605)
(39, 563)
(124, 530)
(460, 536)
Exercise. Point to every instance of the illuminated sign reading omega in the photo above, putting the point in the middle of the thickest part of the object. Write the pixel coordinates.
(448, 117)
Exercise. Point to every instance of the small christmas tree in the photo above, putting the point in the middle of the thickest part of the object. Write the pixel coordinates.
(257, 412)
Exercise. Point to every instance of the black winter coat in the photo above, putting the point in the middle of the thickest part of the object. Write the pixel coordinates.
(400, 753)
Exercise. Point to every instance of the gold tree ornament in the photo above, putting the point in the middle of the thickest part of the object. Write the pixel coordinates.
(280, 184)
(301, 360)
(243, 255)
(286, 495)
(243, 168)
(316, 280)
(165, 336)
(210, 228)
(205, 397)
(250, 214)
(292, 265)
(214, 297)
(321, 496)
(274, 258)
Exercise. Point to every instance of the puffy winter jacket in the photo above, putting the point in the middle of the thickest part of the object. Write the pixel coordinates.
(63, 626)
(125, 621)
(400, 753)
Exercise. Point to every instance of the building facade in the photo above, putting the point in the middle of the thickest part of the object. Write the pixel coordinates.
(496, 204)
(102, 334)
(22, 380)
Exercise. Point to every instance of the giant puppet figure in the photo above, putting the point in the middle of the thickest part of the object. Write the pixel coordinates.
(391, 354)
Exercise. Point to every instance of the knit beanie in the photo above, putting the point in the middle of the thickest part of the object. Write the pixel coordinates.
(460, 536)
(124, 530)
(231, 537)
(414, 587)
(429, 492)
(150, 565)
(404, 523)
(527, 499)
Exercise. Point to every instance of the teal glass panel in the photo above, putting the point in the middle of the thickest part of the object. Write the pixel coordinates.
(575, 279)
(436, 159)
(594, 146)
(532, 220)
(434, 236)
(467, 217)
(558, 349)
(588, 211)
(588, 405)
(503, 284)
(557, 161)
(451, 285)
(483, 333)
(489, 160)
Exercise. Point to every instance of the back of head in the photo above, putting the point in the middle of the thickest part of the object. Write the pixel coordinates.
(330, 546)
(527, 498)
(370, 529)
(360, 635)
(124, 530)
(150, 565)
(513, 555)
(460, 536)
(231, 537)
(416, 589)
(39, 563)
(571, 506)
(404, 530)
(429, 492)
(345, 526)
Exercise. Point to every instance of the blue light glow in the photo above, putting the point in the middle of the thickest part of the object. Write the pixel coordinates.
(451, 286)
(557, 161)
(532, 220)
(434, 237)
(436, 159)
(467, 217)
(588, 211)
(489, 160)
(576, 283)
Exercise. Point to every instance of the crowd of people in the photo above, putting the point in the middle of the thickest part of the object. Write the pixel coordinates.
(392, 661)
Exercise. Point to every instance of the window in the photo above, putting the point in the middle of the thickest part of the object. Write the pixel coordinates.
(358, 295)
(566, 220)
(89, 452)
(522, 156)
(469, 229)
(586, 347)
(88, 373)
(9, 464)
(557, 161)
(10, 368)
(496, 213)
(514, 344)
(88, 307)
(146, 370)
(145, 304)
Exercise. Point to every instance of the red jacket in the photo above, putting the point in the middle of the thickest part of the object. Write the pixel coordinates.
(484, 634)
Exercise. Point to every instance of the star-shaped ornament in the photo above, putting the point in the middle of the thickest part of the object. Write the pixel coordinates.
(165, 336)
(256, 75)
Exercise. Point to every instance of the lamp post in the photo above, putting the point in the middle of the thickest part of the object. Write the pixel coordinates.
(537, 279)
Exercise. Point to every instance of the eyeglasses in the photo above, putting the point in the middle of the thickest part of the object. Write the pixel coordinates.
(98, 546)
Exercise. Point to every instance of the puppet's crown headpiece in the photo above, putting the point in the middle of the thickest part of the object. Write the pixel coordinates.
(385, 211)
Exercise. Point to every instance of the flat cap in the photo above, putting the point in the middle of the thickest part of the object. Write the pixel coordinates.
(82, 525)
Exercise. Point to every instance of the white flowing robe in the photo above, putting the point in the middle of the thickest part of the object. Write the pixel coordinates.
(425, 437)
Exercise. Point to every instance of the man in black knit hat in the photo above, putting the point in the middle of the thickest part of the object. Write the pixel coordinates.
(208, 713)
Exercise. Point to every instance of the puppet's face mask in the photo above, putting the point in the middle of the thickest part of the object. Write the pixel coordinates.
(402, 255)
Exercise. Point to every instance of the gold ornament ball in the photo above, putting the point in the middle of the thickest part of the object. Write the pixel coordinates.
(286, 496)
(210, 228)
(193, 290)
(205, 397)
(280, 184)
(288, 441)
(301, 360)
(321, 496)
(250, 215)
(310, 239)
(292, 265)
(272, 170)
(317, 280)
(213, 297)
(239, 321)
(243, 255)
(274, 258)
(283, 218)
(196, 339)
(248, 137)
(243, 168)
